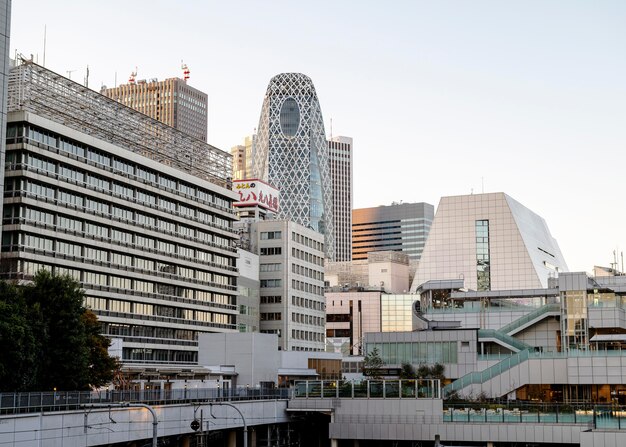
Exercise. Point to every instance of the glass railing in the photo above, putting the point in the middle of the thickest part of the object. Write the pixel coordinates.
(503, 337)
(554, 307)
(386, 389)
(594, 416)
(493, 371)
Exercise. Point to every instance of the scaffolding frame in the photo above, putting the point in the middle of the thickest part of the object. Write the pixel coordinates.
(36, 89)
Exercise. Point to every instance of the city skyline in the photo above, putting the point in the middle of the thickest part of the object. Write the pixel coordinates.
(440, 98)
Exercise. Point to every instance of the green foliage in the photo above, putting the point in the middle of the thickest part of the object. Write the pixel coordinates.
(52, 341)
(18, 343)
(436, 371)
(372, 364)
(407, 371)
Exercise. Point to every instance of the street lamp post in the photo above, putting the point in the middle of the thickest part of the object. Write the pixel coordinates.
(245, 427)
(155, 421)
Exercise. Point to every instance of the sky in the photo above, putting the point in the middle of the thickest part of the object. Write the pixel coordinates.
(441, 97)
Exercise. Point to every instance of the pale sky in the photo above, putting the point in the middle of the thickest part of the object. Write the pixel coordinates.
(441, 97)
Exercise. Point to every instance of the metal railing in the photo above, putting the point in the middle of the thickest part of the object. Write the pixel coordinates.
(386, 389)
(34, 402)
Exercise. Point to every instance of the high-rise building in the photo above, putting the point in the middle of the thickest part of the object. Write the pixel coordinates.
(292, 300)
(492, 242)
(136, 211)
(341, 168)
(243, 158)
(291, 153)
(172, 101)
(5, 29)
(398, 227)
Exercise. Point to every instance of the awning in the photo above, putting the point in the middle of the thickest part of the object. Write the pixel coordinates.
(599, 338)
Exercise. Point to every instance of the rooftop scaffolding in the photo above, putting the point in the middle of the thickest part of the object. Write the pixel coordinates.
(36, 89)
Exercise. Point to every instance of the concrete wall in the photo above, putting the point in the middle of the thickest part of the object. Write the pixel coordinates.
(603, 439)
(606, 317)
(542, 334)
(255, 355)
(102, 427)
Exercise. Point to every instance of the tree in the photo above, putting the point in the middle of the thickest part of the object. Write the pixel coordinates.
(407, 371)
(372, 364)
(102, 366)
(51, 337)
(18, 343)
(436, 371)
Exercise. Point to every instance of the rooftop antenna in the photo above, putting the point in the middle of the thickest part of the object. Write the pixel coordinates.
(331, 128)
(133, 76)
(69, 73)
(87, 77)
(44, 45)
(185, 69)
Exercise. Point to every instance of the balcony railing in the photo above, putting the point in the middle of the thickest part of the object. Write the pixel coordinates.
(368, 389)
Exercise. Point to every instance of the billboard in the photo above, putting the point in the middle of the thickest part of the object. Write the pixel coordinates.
(253, 192)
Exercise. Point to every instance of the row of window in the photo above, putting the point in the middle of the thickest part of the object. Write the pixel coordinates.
(309, 304)
(101, 279)
(414, 353)
(124, 260)
(273, 299)
(266, 283)
(271, 316)
(307, 241)
(117, 164)
(128, 330)
(271, 251)
(273, 267)
(128, 213)
(308, 272)
(267, 235)
(159, 355)
(307, 319)
(129, 307)
(297, 334)
(111, 234)
(308, 257)
(306, 287)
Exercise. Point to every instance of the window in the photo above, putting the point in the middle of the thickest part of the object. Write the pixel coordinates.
(271, 251)
(266, 235)
(271, 283)
(275, 267)
(483, 263)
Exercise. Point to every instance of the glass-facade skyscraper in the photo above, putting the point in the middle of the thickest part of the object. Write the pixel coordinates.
(292, 154)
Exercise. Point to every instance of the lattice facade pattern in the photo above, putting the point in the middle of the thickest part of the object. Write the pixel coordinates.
(36, 89)
(292, 154)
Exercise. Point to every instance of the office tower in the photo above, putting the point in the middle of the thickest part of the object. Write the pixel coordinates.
(172, 101)
(341, 168)
(291, 261)
(243, 157)
(136, 211)
(398, 227)
(5, 30)
(490, 241)
(291, 154)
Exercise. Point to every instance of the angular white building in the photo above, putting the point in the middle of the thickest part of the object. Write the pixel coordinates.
(291, 154)
(492, 242)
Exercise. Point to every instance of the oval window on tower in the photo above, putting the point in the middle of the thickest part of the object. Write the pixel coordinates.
(289, 117)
